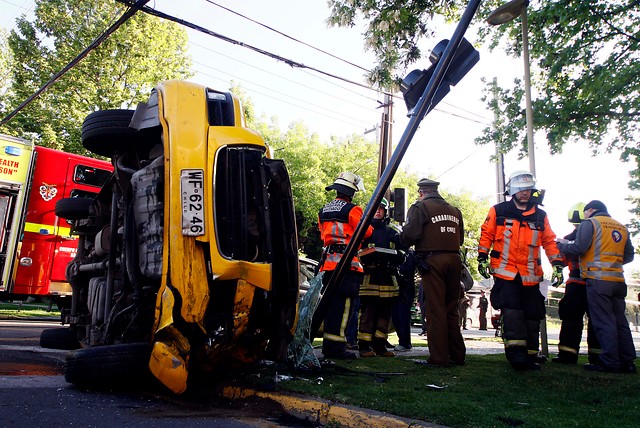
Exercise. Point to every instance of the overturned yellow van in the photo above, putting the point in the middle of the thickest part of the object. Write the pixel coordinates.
(187, 259)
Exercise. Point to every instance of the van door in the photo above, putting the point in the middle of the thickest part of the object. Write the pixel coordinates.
(16, 161)
(8, 199)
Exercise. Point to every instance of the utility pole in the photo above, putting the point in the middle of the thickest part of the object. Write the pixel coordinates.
(499, 155)
(385, 136)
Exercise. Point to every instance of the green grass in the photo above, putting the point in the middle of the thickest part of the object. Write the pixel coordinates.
(17, 309)
(486, 392)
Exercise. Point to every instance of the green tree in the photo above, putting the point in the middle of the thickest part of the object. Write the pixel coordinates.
(118, 74)
(6, 59)
(394, 29)
(584, 57)
(474, 211)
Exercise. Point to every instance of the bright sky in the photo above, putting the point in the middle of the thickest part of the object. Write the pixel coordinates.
(443, 146)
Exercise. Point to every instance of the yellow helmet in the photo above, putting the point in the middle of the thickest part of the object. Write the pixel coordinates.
(576, 213)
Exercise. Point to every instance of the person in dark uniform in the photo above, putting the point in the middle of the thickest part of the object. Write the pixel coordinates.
(436, 229)
(464, 305)
(337, 222)
(483, 305)
(380, 286)
(573, 306)
(402, 307)
(603, 245)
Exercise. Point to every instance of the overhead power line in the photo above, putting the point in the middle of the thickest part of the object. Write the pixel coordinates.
(133, 8)
(204, 30)
(277, 57)
(287, 36)
(280, 76)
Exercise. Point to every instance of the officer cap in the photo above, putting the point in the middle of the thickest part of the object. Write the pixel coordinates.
(426, 183)
(597, 205)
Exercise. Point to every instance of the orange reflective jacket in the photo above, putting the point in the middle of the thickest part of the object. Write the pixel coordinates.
(513, 239)
(337, 221)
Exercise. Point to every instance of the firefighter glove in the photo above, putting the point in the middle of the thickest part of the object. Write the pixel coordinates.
(483, 265)
(556, 277)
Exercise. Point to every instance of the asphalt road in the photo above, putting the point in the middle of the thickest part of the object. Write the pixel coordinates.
(33, 393)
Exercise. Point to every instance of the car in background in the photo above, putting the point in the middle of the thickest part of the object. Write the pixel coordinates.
(308, 270)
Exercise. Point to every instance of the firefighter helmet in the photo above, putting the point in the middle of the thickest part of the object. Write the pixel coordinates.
(519, 181)
(347, 183)
(576, 213)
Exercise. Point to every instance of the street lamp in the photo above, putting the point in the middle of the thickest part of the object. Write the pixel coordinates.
(507, 13)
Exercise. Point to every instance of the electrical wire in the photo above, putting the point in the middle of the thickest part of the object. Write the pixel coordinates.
(286, 35)
(264, 87)
(284, 78)
(277, 57)
(97, 42)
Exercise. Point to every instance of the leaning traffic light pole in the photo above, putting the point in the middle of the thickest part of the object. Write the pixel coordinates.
(448, 67)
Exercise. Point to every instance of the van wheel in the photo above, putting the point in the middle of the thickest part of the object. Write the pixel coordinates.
(105, 132)
(73, 208)
(109, 364)
(59, 338)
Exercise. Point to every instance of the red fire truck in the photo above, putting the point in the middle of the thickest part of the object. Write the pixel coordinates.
(35, 244)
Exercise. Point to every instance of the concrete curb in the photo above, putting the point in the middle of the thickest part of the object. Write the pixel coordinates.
(317, 410)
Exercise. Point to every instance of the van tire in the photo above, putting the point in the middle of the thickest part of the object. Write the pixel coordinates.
(109, 365)
(73, 208)
(105, 132)
(59, 338)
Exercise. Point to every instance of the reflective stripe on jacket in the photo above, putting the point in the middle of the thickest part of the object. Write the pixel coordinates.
(604, 258)
(516, 237)
(337, 221)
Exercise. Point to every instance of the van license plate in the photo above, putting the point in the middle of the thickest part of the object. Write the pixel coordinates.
(192, 190)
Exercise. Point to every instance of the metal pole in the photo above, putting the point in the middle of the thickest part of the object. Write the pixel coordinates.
(544, 342)
(418, 114)
(527, 91)
(499, 155)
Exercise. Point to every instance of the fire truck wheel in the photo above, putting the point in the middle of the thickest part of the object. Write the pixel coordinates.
(105, 132)
(73, 208)
(109, 365)
(59, 338)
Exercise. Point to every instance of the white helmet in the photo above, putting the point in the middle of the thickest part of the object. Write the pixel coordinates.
(347, 183)
(519, 181)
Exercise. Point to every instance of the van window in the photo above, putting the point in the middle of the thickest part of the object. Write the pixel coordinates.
(90, 176)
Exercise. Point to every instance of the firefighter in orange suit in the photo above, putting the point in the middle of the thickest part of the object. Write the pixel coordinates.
(509, 248)
(337, 221)
(573, 306)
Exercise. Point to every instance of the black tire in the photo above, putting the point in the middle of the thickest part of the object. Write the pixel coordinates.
(73, 208)
(109, 365)
(105, 132)
(59, 338)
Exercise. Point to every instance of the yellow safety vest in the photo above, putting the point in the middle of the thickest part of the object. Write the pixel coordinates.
(603, 259)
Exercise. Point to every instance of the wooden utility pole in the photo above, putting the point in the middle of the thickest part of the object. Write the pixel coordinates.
(385, 136)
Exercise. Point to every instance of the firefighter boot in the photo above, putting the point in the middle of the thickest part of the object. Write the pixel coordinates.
(514, 337)
(517, 357)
